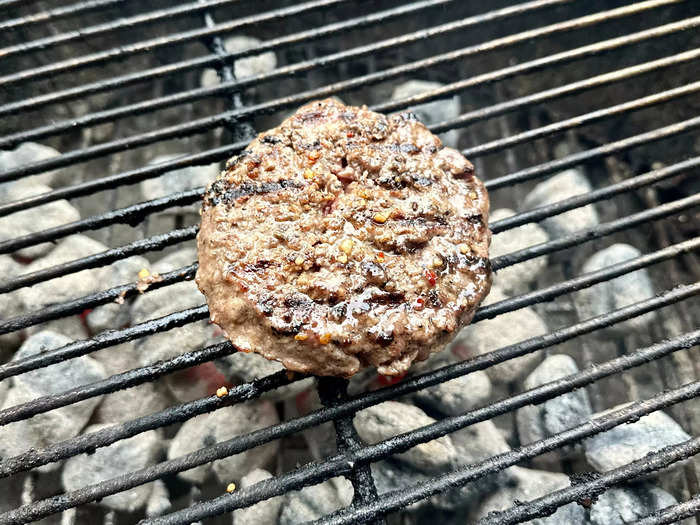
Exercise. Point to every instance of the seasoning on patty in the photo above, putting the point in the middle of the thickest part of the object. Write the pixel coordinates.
(343, 239)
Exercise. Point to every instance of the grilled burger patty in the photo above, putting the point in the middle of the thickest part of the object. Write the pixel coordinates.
(343, 239)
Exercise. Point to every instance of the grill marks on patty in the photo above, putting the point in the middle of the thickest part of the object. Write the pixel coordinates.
(220, 192)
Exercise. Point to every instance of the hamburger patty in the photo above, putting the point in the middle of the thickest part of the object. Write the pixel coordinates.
(343, 239)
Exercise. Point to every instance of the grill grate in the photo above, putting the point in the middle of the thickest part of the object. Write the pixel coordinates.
(353, 458)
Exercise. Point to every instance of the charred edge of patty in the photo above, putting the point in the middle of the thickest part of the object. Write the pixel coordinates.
(223, 192)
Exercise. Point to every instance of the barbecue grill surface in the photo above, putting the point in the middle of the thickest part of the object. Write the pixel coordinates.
(587, 109)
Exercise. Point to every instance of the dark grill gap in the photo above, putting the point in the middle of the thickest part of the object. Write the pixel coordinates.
(353, 457)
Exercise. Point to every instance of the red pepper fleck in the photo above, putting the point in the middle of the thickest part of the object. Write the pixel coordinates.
(350, 134)
(419, 304)
(430, 277)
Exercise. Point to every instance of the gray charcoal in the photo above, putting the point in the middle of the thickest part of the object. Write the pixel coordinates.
(504, 330)
(159, 500)
(473, 444)
(389, 476)
(311, 503)
(616, 293)
(134, 402)
(176, 181)
(528, 484)
(626, 443)
(628, 503)
(115, 315)
(253, 65)
(220, 425)
(33, 220)
(29, 153)
(55, 425)
(517, 279)
(434, 111)
(559, 187)
(390, 418)
(537, 422)
(457, 396)
(247, 367)
(67, 287)
(261, 513)
(107, 462)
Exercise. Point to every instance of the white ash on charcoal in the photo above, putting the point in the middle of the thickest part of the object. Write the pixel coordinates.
(528, 484)
(10, 306)
(310, 503)
(55, 425)
(249, 66)
(626, 443)
(133, 402)
(628, 503)
(244, 367)
(158, 502)
(178, 180)
(561, 186)
(29, 153)
(108, 462)
(458, 395)
(116, 314)
(506, 329)
(390, 418)
(221, 425)
(261, 513)
(434, 111)
(35, 219)
(541, 421)
(519, 278)
(616, 293)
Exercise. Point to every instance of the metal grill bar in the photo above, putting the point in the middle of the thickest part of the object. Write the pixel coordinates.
(156, 43)
(602, 229)
(339, 464)
(121, 179)
(582, 120)
(547, 505)
(7, 3)
(355, 83)
(152, 17)
(151, 372)
(213, 59)
(103, 340)
(592, 154)
(332, 392)
(55, 504)
(80, 304)
(155, 243)
(57, 13)
(114, 383)
(398, 499)
(556, 208)
(131, 215)
(673, 514)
